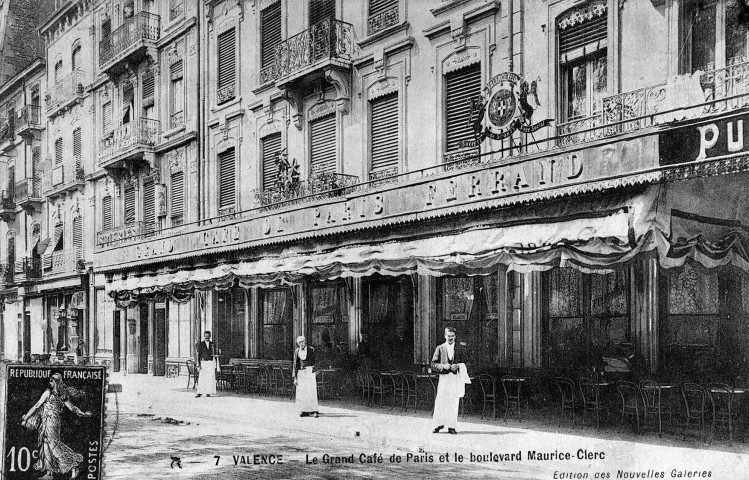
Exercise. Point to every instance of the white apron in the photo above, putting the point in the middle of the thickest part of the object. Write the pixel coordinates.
(447, 401)
(306, 390)
(207, 378)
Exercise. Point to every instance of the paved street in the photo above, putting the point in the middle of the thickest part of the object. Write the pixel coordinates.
(155, 420)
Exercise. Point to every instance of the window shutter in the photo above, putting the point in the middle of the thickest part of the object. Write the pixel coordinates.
(586, 34)
(384, 135)
(226, 59)
(323, 145)
(461, 86)
(378, 6)
(11, 250)
(147, 91)
(106, 29)
(227, 180)
(77, 233)
(106, 116)
(149, 202)
(177, 68)
(58, 71)
(128, 94)
(270, 32)
(106, 206)
(320, 10)
(178, 197)
(77, 146)
(129, 205)
(58, 151)
(12, 181)
(271, 146)
(76, 60)
(36, 158)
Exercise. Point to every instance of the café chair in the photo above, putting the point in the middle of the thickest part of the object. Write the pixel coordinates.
(695, 407)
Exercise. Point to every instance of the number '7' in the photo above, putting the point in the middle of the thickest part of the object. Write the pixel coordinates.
(217, 457)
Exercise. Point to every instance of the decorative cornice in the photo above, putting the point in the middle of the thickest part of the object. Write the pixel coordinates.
(394, 30)
(65, 18)
(468, 17)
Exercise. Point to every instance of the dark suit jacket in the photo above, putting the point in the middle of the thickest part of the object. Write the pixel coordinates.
(205, 353)
(300, 364)
(440, 357)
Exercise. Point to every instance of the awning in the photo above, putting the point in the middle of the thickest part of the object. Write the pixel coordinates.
(56, 238)
(41, 246)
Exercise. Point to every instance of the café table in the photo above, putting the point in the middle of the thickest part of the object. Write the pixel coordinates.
(727, 408)
(325, 381)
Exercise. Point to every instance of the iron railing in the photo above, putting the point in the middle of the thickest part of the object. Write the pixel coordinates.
(30, 116)
(65, 90)
(125, 231)
(7, 272)
(141, 133)
(327, 39)
(139, 27)
(316, 187)
(29, 268)
(7, 129)
(382, 20)
(28, 189)
(63, 261)
(70, 172)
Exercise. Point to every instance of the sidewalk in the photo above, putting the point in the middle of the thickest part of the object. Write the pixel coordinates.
(379, 430)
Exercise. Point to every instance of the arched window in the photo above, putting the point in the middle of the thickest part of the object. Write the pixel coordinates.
(75, 59)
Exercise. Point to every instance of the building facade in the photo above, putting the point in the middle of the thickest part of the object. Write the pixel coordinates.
(382, 169)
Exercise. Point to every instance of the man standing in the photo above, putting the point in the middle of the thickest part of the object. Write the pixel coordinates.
(451, 387)
(305, 380)
(207, 379)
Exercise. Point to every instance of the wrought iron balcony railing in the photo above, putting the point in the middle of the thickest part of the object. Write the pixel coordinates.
(316, 187)
(125, 231)
(140, 27)
(29, 268)
(141, 133)
(380, 20)
(28, 190)
(63, 261)
(176, 119)
(176, 10)
(29, 117)
(65, 175)
(7, 274)
(325, 40)
(65, 91)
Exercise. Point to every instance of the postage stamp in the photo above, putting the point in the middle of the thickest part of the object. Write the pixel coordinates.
(54, 422)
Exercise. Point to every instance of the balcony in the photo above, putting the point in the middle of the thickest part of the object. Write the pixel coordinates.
(130, 43)
(29, 194)
(7, 205)
(64, 179)
(28, 269)
(126, 231)
(7, 133)
(134, 141)
(6, 275)
(29, 121)
(63, 261)
(65, 93)
(317, 187)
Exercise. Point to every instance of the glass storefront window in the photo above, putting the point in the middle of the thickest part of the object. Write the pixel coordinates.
(277, 317)
(328, 327)
(388, 323)
(229, 333)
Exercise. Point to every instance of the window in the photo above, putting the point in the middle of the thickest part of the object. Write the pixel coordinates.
(11, 249)
(36, 158)
(460, 87)
(75, 59)
(227, 179)
(106, 117)
(323, 144)
(226, 65)
(270, 33)
(129, 205)
(77, 233)
(328, 321)
(270, 145)
(176, 8)
(384, 133)
(12, 181)
(147, 92)
(149, 202)
(58, 151)
(106, 29)
(106, 217)
(320, 10)
(582, 43)
(58, 71)
(77, 147)
(230, 323)
(178, 198)
(714, 35)
(128, 103)
(177, 98)
(382, 14)
(277, 323)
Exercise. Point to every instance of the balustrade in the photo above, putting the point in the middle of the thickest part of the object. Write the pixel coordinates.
(316, 187)
(28, 189)
(65, 90)
(142, 26)
(125, 231)
(28, 117)
(141, 133)
(63, 261)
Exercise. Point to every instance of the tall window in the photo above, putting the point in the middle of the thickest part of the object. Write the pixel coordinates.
(319, 10)
(714, 36)
(226, 65)
(460, 87)
(58, 151)
(230, 324)
(270, 145)
(106, 117)
(328, 329)
(107, 221)
(77, 233)
(149, 202)
(77, 147)
(322, 138)
(148, 86)
(277, 323)
(129, 205)
(384, 134)
(177, 198)
(270, 33)
(58, 71)
(176, 8)
(582, 39)
(75, 59)
(227, 189)
(128, 103)
(177, 97)
(382, 14)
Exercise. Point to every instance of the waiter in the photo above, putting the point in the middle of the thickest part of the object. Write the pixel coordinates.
(207, 379)
(445, 362)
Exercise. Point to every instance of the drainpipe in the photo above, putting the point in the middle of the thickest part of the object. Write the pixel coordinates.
(200, 147)
(510, 33)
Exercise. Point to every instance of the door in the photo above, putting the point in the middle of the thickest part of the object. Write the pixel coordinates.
(389, 322)
(159, 354)
(27, 337)
(116, 343)
(143, 339)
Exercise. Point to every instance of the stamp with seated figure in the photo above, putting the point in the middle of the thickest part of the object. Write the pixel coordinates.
(54, 422)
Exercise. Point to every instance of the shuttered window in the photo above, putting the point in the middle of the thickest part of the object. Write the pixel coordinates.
(227, 178)
(147, 90)
(323, 145)
(106, 117)
(76, 57)
(178, 198)
(320, 10)
(77, 146)
(270, 32)
(11, 250)
(106, 29)
(12, 181)
(129, 205)
(226, 59)
(178, 92)
(460, 87)
(128, 95)
(36, 158)
(77, 233)
(271, 145)
(58, 151)
(384, 134)
(378, 6)
(58, 71)
(106, 218)
(149, 202)
(587, 34)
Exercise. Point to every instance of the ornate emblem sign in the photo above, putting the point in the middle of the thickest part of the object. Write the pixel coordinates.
(505, 106)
